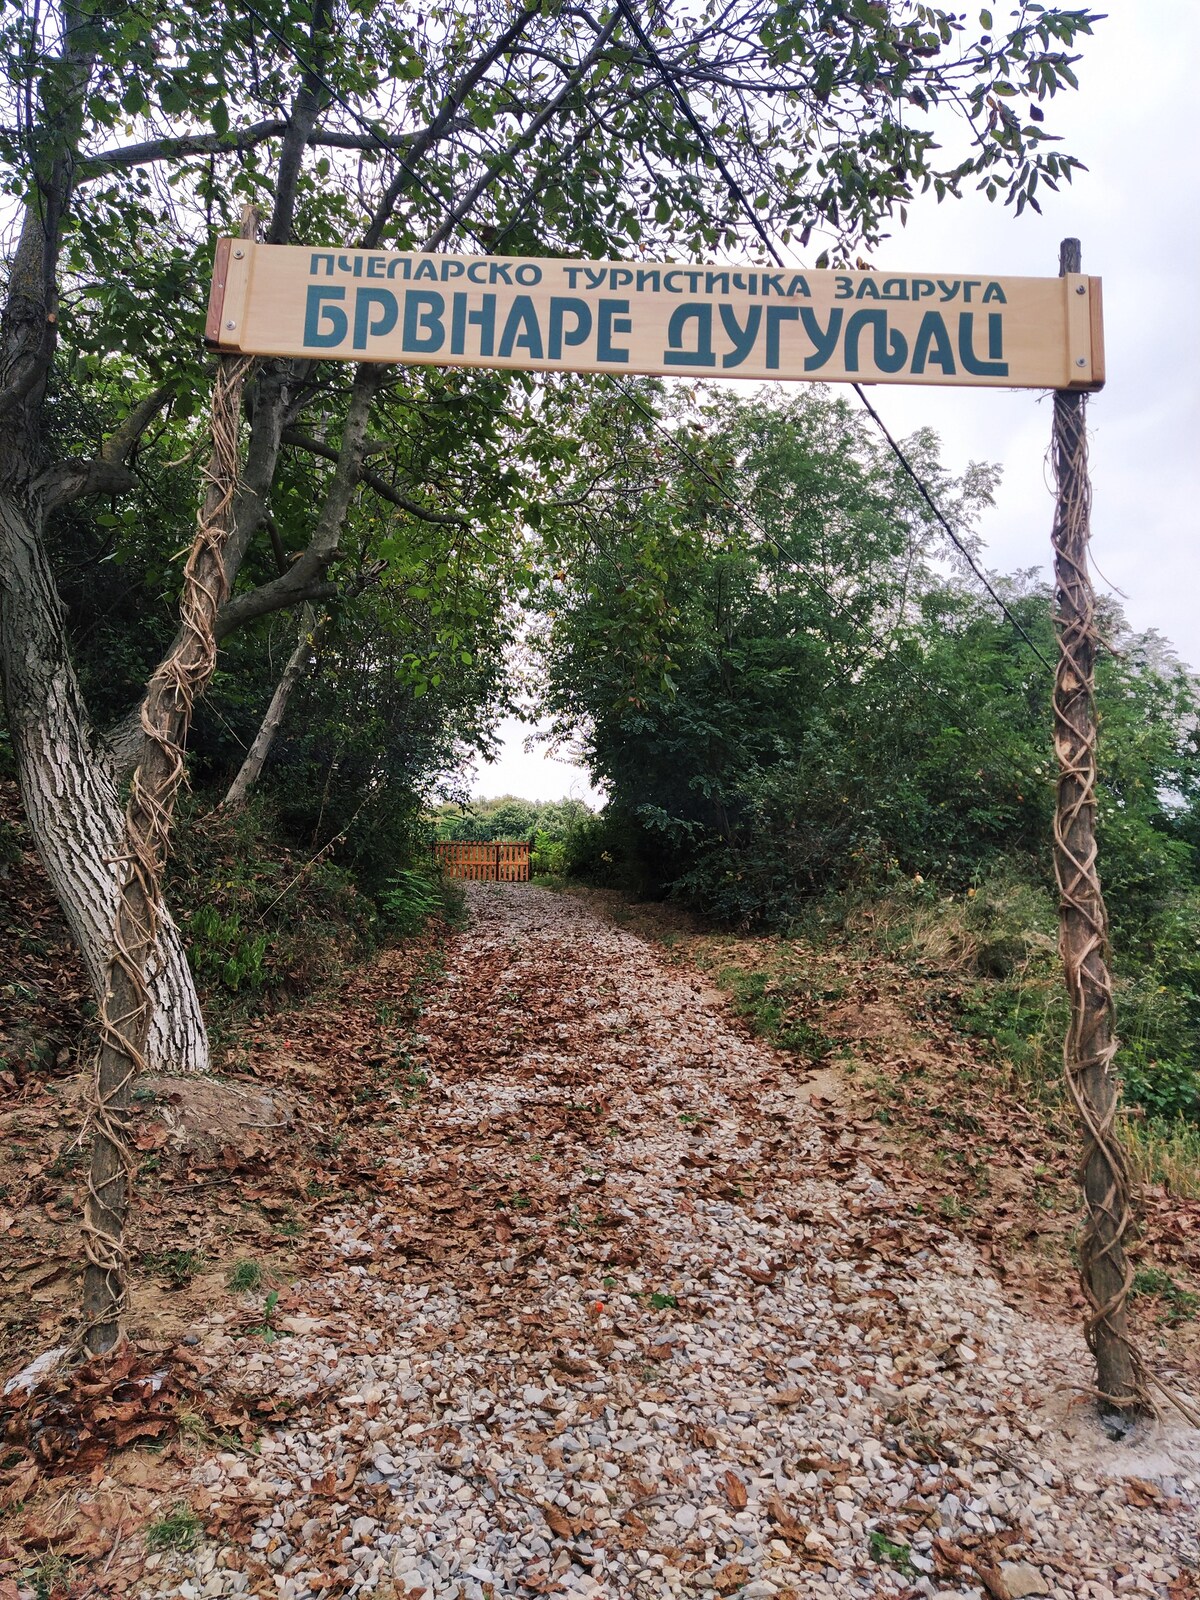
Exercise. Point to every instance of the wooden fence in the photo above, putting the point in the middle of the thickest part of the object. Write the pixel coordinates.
(494, 863)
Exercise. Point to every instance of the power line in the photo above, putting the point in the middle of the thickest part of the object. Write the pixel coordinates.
(739, 195)
(735, 189)
(958, 544)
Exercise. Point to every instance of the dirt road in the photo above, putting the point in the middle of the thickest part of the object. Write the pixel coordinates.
(627, 1318)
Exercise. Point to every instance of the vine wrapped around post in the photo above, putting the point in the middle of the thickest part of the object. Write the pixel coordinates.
(1090, 1044)
(126, 1011)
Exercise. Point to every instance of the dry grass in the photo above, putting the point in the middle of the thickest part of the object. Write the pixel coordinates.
(1165, 1154)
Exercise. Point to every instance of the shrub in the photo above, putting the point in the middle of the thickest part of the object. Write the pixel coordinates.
(548, 858)
(411, 897)
(261, 925)
(221, 951)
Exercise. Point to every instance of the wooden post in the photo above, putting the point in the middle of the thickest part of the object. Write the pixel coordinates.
(1091, 1043)
(125, 1013)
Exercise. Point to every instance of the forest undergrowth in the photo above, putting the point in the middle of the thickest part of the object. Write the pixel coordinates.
(231, 1161)
(944, 1025)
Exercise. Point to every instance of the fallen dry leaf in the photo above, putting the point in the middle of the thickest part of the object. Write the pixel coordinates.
(558, 1524)
(733, 1489)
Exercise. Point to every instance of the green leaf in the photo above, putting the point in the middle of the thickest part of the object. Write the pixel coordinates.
(134, 98)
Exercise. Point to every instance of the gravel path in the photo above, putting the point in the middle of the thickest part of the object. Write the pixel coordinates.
(629, 1320)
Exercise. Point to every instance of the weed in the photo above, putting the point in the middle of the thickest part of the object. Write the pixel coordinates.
(52, 1574)
(410, 899)
(1165, 1151)
(952, 1208)
(289, 1228)
(244, 1277)
(897, 1555)
(178, 1267)
(65, 1162)
(267, 1331)
(609, 1283)
(221, 951)
(662, 1301)
(1180, 1305)
(195, 1429)
(180, 1529)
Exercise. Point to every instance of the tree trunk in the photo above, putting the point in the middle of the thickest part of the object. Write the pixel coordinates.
(126, 1010)
(248, 773)
(71, 801)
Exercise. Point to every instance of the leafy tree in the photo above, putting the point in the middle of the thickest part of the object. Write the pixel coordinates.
(509, 818)
(820, 702)
(132, 138)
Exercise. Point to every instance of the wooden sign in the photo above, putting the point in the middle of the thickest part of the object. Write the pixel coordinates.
(549, 315)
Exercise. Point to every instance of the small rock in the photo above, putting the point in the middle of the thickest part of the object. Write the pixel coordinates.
(1021, 1579)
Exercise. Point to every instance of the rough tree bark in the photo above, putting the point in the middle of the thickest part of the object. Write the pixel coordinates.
(71, 800)
(68, 778)
(70, 796)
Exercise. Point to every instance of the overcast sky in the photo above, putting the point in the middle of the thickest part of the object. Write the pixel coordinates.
(1133, 124)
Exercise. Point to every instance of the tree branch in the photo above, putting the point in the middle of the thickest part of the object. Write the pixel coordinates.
(307, 572)
(455, 97)
(109, 472)
(119, 444)
(301, 126)
(173, 147)
(526, 137)
(315, 447)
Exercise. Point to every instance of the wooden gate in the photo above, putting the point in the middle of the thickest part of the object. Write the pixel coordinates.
(493, 863)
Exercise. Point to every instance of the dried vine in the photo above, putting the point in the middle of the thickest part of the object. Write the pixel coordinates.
(1090, 1044)
(126, 1011)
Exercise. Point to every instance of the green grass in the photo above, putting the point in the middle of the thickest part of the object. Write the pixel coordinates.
(180, 1530)
(1179, 1304)
(179, 1267)
(52, 1575)
(891, 1551)
(244, 1277)
(773, 1002)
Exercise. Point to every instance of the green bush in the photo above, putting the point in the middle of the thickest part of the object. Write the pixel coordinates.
(548, 858)
(221, 951)
(410, 899)
(261, 924)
